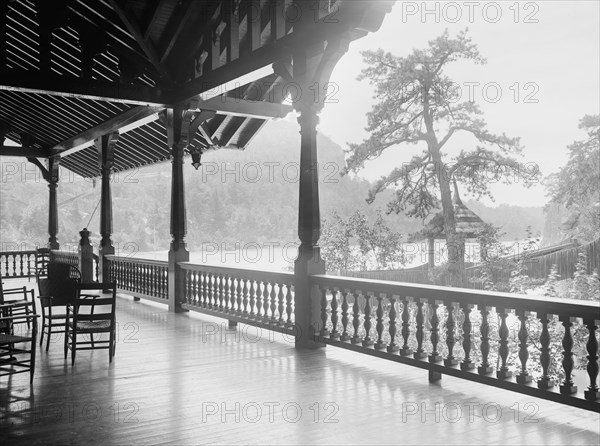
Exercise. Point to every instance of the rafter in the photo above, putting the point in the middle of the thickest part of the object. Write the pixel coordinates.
(53, 84)
(145, 44)
(124, 122)
(245, 108)
(181, 19)
(26, 152)
(157, 7)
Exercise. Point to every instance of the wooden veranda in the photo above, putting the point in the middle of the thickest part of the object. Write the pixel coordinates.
(103, 86)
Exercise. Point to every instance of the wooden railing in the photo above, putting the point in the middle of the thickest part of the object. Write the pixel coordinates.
(259, 298)
(17, 263)
(142, 278)
(469, 334)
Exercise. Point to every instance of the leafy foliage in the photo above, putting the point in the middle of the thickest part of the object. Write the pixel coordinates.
(376, 243)
(576, 185)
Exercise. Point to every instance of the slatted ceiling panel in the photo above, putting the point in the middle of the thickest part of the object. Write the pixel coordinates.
(65, 53)
(53, 119)
(83, 163)
(22, 36)
(106, 67)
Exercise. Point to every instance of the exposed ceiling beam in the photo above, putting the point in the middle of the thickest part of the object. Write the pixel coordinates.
(245, 108)
(157, 7)
(56, 85)
(26, 152)
(180, 20)
(124, 122)
(146, 45)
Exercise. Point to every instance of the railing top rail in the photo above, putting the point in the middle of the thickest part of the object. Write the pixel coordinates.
(12, 253)
(115, 258)
(243, 272)
(550, 305)
(70, 252)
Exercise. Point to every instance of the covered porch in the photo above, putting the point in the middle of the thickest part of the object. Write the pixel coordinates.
(203, 350)
(189, 379)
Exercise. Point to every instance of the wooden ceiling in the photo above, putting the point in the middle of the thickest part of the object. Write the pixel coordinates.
(73, 70)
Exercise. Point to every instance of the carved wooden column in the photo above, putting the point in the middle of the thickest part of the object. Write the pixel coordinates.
(312, 67)
(50, 174)
(177, 121)
(106, 154)
(52, 178)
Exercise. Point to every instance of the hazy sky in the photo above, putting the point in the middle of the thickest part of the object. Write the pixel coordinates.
(552, 52)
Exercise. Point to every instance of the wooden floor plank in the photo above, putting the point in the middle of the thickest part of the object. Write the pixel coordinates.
(172, 378)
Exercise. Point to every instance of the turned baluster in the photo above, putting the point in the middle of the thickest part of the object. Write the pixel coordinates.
(188, 287)
(345, 336)
(21, 264)
(190, 282)
(567, 387)
(335, 334)
(467, 363)
(253, 292)
(367, 341)
(227, 293)
(210, 289)
(280, 305)
(201, 288)
(435, 337)
(288, 305)
(379, 324)
(592, 393)
(523, 377)
(273, 306)
(545, 382)
(405, 350)
(266, 302)
(503, 372)
(324, 332)
(232, 296)
(485, 368)
(238, 292)
(220, 283)
(246, 297)
(214, 291)
(420, 333)
(450, 336)
(392, 347)
(355, 319)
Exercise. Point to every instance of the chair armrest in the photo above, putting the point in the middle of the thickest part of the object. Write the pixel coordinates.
(46, 299)
(9, 306)
(15, 290)
(19, 317)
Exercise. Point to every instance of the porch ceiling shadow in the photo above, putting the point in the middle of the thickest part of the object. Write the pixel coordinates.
(73, 70)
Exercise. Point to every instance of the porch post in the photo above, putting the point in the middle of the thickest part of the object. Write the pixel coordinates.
(309, 259)
(106, 153)
(311, 70)
(174, 121)
(52, 178)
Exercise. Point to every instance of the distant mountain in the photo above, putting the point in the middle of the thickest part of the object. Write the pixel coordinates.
(235, 197)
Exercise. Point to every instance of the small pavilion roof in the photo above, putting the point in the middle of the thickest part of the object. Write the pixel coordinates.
(467, 221)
